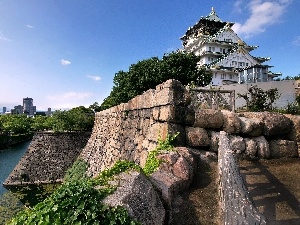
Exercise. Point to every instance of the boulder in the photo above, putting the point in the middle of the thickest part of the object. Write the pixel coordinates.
(232, 123)
(175, 173)
(251, 147)
(196, 136)
(251, 126)
(274, 124)
(136, 193)
(283, 149)
(237, 144)
(214, 141)
(208, 118)
(263, 150)
(294, 135)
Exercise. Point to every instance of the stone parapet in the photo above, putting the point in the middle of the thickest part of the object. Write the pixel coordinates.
(236, 205)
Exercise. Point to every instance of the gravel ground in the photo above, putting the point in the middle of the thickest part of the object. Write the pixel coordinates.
(275, 188)
(199, 204)
(273, 184)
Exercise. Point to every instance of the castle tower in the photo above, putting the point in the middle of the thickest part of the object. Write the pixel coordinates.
(224, 53)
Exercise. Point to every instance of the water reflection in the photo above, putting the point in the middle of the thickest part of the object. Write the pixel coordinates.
(9, 159)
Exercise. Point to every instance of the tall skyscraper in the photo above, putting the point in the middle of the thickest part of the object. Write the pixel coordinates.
(28, 107)
(4, 110)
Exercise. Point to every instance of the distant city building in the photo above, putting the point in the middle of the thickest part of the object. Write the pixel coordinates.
(17, 110)
(4, 110)
(48, 113)
(224, 53)
(28, 107)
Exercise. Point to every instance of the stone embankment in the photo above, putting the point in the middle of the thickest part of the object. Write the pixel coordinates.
(47, 158)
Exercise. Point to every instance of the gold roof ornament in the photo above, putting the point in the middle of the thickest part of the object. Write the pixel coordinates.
(240, 42)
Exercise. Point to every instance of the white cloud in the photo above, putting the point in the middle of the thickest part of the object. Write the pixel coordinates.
(3, 38)
(69, 99)
(29, 26)
(237, 6)
(65, 62)
(95, 78)
(262, 14)
(296, 41)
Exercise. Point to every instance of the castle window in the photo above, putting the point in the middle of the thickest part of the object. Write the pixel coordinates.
(230, 76)
(222, 76)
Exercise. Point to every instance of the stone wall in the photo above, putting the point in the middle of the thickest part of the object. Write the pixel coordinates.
(47, 158)
(236, 204)
(129, 131)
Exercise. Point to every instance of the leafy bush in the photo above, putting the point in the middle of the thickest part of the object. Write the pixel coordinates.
(77, 171)
(79, 202)
(259, 100)
(152, 162)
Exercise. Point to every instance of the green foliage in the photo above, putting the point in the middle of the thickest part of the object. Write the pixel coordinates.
(95, 107)
(152, 162)
(77, 171)
(259, 100)
(39, 123)
(79, 202)
(9, 207)
(119, 167)
(75, 119)
(17, 124)
(146, 74)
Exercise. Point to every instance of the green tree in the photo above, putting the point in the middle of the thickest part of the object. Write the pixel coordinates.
(259, 100)
(146, 74)
(17, 124)
(80, 119)
(39, 123)
(95, 107)
(59, 121)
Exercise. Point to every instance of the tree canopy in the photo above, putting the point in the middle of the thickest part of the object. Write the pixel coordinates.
(148, 73)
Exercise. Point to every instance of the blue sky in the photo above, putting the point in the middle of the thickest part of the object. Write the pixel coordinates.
(65, 53)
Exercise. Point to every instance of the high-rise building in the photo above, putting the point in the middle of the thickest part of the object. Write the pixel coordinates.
(224, 53)
(48, 112)
(4, 110)
(17, 110)
(28, 107)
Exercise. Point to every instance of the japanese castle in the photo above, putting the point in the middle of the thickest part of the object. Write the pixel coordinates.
(224, 53)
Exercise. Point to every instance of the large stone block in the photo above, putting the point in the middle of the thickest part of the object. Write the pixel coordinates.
(174, 114)
(214, 141)
(252, 127)
(196, 137)
(237, 144)
(283, 149)
(208, 118)
(294, 134)
(171, 92)
(274, 124)
(263, 150)
(136, 193)
(251, 147)
(232, 123)
(174, 174)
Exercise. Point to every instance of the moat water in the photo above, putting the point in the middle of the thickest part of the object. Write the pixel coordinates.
(8, 160)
